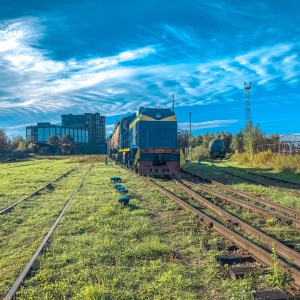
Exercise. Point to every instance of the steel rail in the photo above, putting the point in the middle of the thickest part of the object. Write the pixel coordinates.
(9, 208)
(281, 249)
(281, 208)
(248, 205)
(266, 176)
(23, 274)
(248, 179)
(19, 166)
(254, 250)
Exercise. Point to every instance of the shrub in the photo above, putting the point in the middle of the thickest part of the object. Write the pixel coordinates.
(270, 160)
(200, 151)
(263, 158)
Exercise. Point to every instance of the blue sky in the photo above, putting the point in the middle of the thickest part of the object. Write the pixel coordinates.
(112, 56)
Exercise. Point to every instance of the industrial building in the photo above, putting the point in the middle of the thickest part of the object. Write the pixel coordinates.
(88, 131)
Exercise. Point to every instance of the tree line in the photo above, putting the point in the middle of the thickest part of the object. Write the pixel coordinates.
(19, 146)
(247, 140)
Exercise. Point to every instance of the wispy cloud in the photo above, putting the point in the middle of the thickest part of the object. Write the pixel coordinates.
(206, 125)
(32, 82)
(47, 79)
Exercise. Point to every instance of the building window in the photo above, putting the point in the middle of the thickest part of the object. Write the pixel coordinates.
(28, 132)
(40, 135)
(46, 134)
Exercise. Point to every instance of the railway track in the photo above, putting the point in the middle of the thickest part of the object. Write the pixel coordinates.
(261, 201)
(245, 204)
(19, 166)
(259, 253)
(48, 185)
(227, 229)
(16, 285)
(259, 178)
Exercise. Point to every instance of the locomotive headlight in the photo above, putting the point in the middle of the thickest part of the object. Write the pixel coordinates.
(158, 115)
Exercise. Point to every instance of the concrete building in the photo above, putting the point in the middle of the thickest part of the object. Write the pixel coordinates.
(88, 131)
(94, 124)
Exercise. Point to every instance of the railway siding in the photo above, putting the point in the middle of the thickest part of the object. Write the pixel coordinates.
(98, 242)
(17, 183)
(24, 228)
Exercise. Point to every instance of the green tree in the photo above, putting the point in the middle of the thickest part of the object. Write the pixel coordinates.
(54, 141)
(21, 146)
(226, 138)
(4, 141)
(271, 142)
(16, 141)
(199, 140)
(273, 138)
(207, 138)
(33, 148)
(193, 141)
(67, 144)
(237, 143)
(253, 138)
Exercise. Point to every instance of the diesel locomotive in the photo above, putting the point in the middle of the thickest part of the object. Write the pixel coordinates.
(149, 142)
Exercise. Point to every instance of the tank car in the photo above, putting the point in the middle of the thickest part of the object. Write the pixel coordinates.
(217, 149)
(148, 142)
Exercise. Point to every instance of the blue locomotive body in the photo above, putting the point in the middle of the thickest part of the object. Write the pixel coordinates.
(148, 142)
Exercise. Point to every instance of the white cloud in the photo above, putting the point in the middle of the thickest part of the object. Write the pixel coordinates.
(205, 125)
(32, 82)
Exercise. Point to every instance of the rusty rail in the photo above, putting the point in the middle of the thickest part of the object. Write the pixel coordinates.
(281, 208)
(266, 176)
(281, 249)
(245, 204)
(23, 274)
(255, 251)
(9, 208)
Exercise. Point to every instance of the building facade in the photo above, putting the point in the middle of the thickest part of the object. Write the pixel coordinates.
(94, 124)
(88, 132)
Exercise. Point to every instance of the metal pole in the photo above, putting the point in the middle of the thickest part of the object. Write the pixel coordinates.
(190, 124)
(190, 135)
(173, 102)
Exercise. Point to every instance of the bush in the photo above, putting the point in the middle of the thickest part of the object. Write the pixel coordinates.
(242, 158)
(263, 158)
(200, 151)
(270, 160)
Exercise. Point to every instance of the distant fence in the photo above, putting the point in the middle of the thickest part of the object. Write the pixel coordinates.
(285, 148)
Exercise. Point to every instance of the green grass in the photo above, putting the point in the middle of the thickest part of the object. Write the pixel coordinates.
(24, 228)
(284, 167)
(18, 182)
(286, 197)
(150, 249)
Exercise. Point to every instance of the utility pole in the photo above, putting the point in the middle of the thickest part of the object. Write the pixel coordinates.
(190, 124)
(190, 135)
(173, 102)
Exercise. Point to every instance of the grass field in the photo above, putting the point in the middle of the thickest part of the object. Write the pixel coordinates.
(286, 197)
(150, 249)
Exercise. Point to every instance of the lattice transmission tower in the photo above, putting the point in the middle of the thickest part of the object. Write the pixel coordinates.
(247, 87)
